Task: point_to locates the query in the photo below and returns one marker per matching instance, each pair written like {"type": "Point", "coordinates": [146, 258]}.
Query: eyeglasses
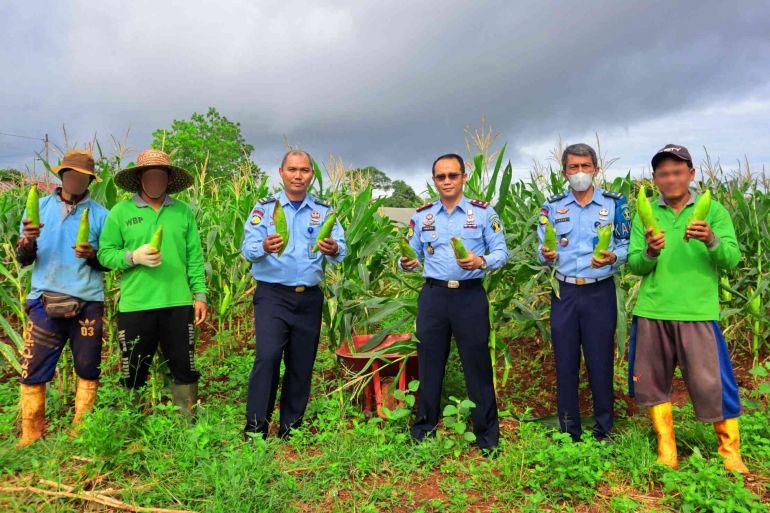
{"type": "Point", "coordinates": [452, 176]}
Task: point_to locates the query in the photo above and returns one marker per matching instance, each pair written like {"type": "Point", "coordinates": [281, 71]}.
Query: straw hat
{"type": "Point", "coordinates": [128, 178]}
{"type": "Point", "coordinates": [77, 160]}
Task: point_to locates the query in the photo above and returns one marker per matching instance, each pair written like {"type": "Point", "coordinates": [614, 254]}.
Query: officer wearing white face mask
{"type": "Point", "coordinates": [586, 312]}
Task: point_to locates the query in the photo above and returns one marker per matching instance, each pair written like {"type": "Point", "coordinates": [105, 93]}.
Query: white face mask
{"type": "Point", "coordinates": [581, 181]}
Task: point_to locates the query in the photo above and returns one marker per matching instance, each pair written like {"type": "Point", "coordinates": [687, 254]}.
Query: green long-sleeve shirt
{"type": "Point", "coordinates": [681, 284]}
{"type": "Point", "coordinates": [131, 224]}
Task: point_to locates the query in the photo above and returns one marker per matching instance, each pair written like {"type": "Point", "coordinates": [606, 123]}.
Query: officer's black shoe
{"type": "Point", "coordinates": [491, 452]}
{"type": "Point", "coordinates": [422, 436]}
{"type": "Point", "coordinates": [606, 441]}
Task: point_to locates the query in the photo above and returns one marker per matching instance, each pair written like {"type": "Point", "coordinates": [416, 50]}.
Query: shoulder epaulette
{"type": "Point", "coordinates": [613, 195]}
{"type": "Point", "coordinates": [479, 203]}
{"type": "Point", "coordinates": [557, 197]}
{"type": "Point", "coordinates": [322, 202]}
{"type": "Point", "coordinates": [265, 201]}
{"type": "Point", "coordinates": [427, 205]}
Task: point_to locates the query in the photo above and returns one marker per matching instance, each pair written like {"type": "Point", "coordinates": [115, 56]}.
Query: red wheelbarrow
{"type": "Point", "coordinates": [380, 367]}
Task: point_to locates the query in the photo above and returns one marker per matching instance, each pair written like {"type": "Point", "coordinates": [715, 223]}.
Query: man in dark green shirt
{"type": "Point", "coordinates": [677, 311]}
{"type": "Point", "coordinates": [163, 291]}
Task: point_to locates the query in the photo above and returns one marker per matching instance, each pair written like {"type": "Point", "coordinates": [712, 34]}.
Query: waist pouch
{"type": "Point", "coordinates": [61, 306]}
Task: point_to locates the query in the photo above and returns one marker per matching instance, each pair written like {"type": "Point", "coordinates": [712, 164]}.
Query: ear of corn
{"type": "Point", "coordinates": [406, 249]}
{"type": "Point", "coordinates": [33, 206]}
{"type": "Point", "coordinates": [701, 210]}
{"type": "Point", "coordinates": [605, 235]}
{"type": "Point", "coordinates": [702, 207]}
{"type": "Point", "coordinates": [644, 212]}
{"type": "Point", "coordinates": [457, 245]}
{"type": "Point", "coordinates": [157, 238]}
{"type": "Point", "coordinates": [85, 228]}
{"type": "Point", "coordinates": [550, 237]}
{"type": "Point", "coordinates": [281, 227]}
{"type": "Point", "coordinates": [326, 231]}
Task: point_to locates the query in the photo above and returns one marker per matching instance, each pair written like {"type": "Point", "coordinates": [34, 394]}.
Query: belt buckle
{"type": "Point", "coordinates": [580, 281]}
{"type": "Point", "coordinates": [453, 284]}
{"type": "Point", "coordinates": [301, 288]}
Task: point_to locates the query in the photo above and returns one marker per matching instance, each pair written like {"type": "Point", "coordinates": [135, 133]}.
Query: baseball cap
{"type": "Point", "coordinates": [671, 150]}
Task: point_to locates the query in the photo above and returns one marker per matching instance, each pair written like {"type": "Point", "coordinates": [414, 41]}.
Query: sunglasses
{"type": "Point", "coordinates": [442, 177]}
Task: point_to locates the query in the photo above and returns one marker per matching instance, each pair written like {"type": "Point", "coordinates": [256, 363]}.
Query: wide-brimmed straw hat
{"type": "Point", "coordinates": [179, 178]}
{"type": "Point", "coordinates": [77, 160]}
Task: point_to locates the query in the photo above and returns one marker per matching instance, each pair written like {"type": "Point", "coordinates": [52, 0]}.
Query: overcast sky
{"type": "Point", "coordinates": [393, 84]}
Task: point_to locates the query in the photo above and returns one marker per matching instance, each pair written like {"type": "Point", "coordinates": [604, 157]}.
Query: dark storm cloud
{"type": "Point", "coordinates": [390, 85]}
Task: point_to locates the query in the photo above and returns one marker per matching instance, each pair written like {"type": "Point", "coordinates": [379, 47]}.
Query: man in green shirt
{"type": "Point", "coordinates": [162, 292]}
{"type": "Point", "coordinates": [677, 310]}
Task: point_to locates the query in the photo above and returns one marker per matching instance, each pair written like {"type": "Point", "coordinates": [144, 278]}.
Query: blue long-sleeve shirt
{"type": "Point", "coordinates": [297, 265]}
{"type": "Point", "coordinates": [474, 221]}
{"type": "Point", "coordinates": [576, 231]}
{"type": "Point", "coordinates": [56, 268]}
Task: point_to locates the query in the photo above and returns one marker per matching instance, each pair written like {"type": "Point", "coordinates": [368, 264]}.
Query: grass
{"type": "Point", "coordinates": [340, 461]}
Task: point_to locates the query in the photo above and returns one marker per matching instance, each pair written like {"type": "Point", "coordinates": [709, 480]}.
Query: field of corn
{"type": "Point", "coordinates": [344, 461]}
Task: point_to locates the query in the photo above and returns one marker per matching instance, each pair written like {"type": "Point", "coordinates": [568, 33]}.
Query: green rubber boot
{"type": "Point", "coordinates": [185, 397]}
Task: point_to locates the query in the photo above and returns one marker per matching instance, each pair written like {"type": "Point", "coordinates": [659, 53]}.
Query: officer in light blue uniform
{"type": "Point", "coordinates": [585, 314]}
{"type": "Point", "coordinates": [288, 300]}
{"type": "Point", "coordinates": [453, 300]}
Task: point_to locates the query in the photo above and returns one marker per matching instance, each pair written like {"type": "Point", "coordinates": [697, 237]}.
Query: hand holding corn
{"type": "Point", "coordinates": [471, 263]}
{"type": "Point", "coordinates": [548, 254]}
{"type": "Point", "coordinates": [273, 243]}
{"type": "Point", "coordinates": [655, 243]}
{"type": "Point", "coordinates": [328, 246]}
{"type": "Point", "coordinates": [145, 255]}
{"type": "Point", "coordinates": [31, 233]}
{"type": "Point", "coordinates": [409, 265]}
{"type": "Point", "coordinates": [408, 261]}
{"type": "Point", "coordinates": [608, 258]}
{"type": "Point", "coordinates": [84, 250]}
{"type": "Point", "coordinates": [700, 230]}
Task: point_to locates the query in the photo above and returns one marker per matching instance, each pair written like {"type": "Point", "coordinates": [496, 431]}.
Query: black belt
{"type": "Point", "coordinates": [289, 288]}
{"type": "Point", "coordinates": [455, 284]}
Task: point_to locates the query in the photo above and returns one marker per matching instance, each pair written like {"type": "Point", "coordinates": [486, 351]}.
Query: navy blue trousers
{"type": "Point", "coordinates": [287, 326]}
{"type": "Point", "coordinates": [464, 313]}
{"type": "Point", "coordinates": [45, 339]}
{"type": "Point", "coordinates": [585, 316]}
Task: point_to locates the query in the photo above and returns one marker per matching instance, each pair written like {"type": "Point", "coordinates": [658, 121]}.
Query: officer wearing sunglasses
{"type": "Point", "coordinates": [453, 300]}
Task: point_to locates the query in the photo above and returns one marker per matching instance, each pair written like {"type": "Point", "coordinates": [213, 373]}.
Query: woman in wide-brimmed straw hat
{"type": "Point", "coordinates": [158, 303]}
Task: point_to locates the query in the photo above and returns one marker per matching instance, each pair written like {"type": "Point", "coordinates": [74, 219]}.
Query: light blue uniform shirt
{"type": "Point", "coordinates": [297, 265]}
{"type": "Point", "coordinates": [56, 268]}
{"type": "Point", "coordinates": [474, 221]}
{"type": "Point", "coordinates": [576, 231]}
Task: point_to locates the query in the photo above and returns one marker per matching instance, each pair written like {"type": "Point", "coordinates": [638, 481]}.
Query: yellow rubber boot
{"type": "Point", "coordinates": [32, 413]}
{"type": "Point", "coordinates": [84, 401]}
{"type": "Point", "coordinates": [663, 421]}
{"type": "Point", "coordinates": [730, 445]}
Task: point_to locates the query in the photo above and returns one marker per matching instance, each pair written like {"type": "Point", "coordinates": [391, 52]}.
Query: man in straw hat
{"type": "Point", "coordinates": [163, 291]}
{"type": "Point", "coordinates": [66, 300]}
